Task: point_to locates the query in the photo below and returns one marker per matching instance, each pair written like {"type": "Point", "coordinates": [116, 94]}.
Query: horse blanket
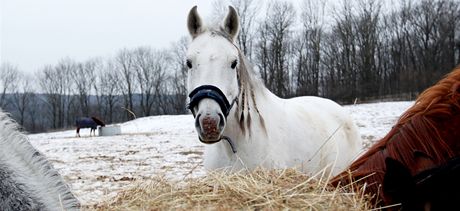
{"type": "Point", "coordinates": [86, 122]}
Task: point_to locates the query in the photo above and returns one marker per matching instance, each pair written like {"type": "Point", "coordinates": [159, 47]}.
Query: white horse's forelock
{"type": "Point", "coordinates": [31, 169]}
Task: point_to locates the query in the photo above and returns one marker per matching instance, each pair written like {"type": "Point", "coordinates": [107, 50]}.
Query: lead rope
{"type": "Point", "coordinates": [230, 142]}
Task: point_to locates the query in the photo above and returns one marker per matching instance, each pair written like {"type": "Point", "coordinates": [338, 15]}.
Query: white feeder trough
{"type": "Point", "coordinates": [111, 130]}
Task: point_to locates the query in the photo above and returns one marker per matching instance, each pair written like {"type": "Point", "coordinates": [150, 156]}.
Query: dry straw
{"type": "Point", "coordinates": [257, 190]}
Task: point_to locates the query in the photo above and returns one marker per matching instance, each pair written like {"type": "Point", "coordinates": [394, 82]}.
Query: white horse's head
{"type": "Point", "coordinates": [213, 60]}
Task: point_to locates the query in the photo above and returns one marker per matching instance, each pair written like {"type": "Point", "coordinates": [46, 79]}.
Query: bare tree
{"type": "Point", "coordinates": [434, 28]}
{"type": "Point", "coordinates": [367, 29]}
{"type": "Point", "coordinates": [124, 64]}
{"type": "Point", "coordinates": [8, 79]}
{"type": "Point", "coordinates": [150, 67]}
{"type": "Point", "coordinates": [108, 91]}
{"type": "Point", "coordinates": [36, 121]}
{"type": "Point", "coordinates": [307, 48]}
{"type": "Point", "coordinates": [84, 77]}
{"type": "Point", "coordinates": [64, 69]}
{"type": "Point", "coordinates": [273, 47]}
{"type": "Point", "coordinates": [48, 82]}
{"type": "Point", "coordinates": [178, 82]}
{"type": "Point", "coordinates": [339, 58]}
{"type": "Point", "coordinates": [23, 95]}
{"type": "Point", "coordinates": [262, 57]}
{"type": "Point", "coordinates": [247, 11]}
{"type": "Point", "coordinates": [57, 85]}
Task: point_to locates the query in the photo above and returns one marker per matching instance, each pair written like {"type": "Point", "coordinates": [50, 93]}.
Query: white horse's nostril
{"type": "Point", "coordinates": [221, 122]}
{"type": "Point", "coordinates": [197, 121]}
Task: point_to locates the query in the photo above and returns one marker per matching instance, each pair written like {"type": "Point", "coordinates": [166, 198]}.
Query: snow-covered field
{"type": "Point", "coordinates": [97, 167]}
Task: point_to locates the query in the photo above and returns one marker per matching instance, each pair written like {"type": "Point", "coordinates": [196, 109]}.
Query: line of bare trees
{"type": "Point", "coordinates": [141, 81]}
{"type": "Point", "coordinates": [361, 49]}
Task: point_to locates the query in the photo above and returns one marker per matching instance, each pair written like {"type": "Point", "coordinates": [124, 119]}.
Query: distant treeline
{"type": "Point", "coordinates": [37, 116]}
{"type": "Point", "coordinates": [361, 49]}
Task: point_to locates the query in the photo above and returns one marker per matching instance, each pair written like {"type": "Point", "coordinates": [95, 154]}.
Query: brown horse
{"type": "Point", "coordinates": [88, 122]}
{"type": "Point", "coordinates": [419, 149]}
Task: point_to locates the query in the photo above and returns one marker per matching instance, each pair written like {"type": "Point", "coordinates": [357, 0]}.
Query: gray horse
{"type": "Point", "coordinates": [28, 181]}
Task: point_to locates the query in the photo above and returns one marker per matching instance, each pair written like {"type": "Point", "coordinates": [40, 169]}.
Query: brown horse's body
{"type": "Point", "coordinates": [426, 136]}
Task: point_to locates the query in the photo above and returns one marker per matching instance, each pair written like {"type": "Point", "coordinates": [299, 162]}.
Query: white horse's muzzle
{"type": "Point", "coordinates": [210, 107]}
{"type": "Point", "coordinates": [210, 126]}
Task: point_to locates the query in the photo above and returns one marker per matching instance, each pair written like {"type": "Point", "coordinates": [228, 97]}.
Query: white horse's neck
{"type": "Point", "coordinates": [32, 169]}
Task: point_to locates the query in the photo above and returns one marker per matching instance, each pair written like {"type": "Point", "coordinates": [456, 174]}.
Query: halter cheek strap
{"type": "Point", "coordinates": [211, 92]}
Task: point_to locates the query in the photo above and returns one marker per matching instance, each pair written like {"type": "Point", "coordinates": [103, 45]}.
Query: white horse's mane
{"type": "Point", "coordinates": [32, 169]}
{"type": "Point", "coordinates": [249, 83]}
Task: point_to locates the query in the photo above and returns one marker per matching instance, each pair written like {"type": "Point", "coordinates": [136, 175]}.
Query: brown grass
{"type": "Point", "coordinates": [258, 190]}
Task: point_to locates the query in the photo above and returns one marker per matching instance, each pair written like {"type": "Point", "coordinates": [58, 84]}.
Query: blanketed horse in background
{"type": "Point", "coordinates": [417, 162]}
{"type": "Point", "coordinates": [88, 122]}
{"type": "Point", "coordinates": [28, 180]}
{"type": "Point", "coordinates": [246, 126]}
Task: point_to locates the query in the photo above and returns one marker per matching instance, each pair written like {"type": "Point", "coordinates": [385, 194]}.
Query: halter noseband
{"type": "Point", "coordinates": [214, 93]}
{"type": "Point", "coordinates": [211, 92]}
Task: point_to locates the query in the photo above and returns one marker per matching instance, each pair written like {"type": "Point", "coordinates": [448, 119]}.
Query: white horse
{"type": "Point", "coordinates": [245, 125]}
{"type": "Point", "coordinates": [28, 181]}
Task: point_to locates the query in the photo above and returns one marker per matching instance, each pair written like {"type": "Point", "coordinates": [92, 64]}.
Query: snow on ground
{"type": "Point", "coordinates": [97, 167]}
{"type": "Point", "coordinates": [375, 120]}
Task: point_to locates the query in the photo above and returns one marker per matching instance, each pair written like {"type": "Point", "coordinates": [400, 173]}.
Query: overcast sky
{"type": "Point", "coordinates": [38, 32]}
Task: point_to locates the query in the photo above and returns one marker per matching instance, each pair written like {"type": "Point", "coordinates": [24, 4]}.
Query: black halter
{"type": "Point", "coordinates": [211, 92]}
{"type": "Point", "coordinates": [214, 93]}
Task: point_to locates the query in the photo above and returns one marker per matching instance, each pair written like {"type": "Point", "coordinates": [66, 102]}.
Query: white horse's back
{"type": "Point", "coordinates": [329, 125]}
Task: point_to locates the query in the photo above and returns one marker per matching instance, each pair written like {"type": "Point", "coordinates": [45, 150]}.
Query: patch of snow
{"type": "Point", "coordinates": [374, 120]}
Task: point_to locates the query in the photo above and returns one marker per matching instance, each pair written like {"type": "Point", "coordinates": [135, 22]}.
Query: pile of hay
{"type": "Point", "coordinates": [260, 189]}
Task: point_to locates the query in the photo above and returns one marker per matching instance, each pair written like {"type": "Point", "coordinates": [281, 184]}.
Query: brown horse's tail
{"type": "Point", "coordinates": [78, 131]}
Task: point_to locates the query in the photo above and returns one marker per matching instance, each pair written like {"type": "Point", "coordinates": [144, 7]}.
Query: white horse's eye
{"type": "Point", "coordinates": [234, 63]}
{"type": "Point", "coordinates": [189, 63]}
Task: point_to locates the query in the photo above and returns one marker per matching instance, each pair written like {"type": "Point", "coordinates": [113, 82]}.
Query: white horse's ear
{"type": "Point", "coordinates": [232, 23]}
{"type": "Point", "coordinates": [194, 23]}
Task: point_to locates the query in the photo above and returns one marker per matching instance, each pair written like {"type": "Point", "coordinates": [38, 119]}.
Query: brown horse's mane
{"type": "Point", "coordinates": [98, 121]}
{"type": "Point", "coordinates": [425, 136]}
